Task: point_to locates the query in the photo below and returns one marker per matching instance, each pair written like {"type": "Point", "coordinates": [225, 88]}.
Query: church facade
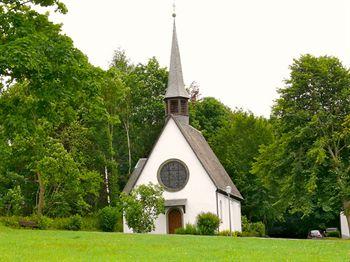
{"type": "Point", "coordinates": [183, 163]}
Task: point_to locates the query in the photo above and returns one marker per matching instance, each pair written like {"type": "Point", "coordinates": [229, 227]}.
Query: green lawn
{"type": "Point", "coordinates": [35, 245]}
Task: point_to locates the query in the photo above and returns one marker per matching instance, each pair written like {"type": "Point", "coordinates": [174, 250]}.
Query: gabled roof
{"type": "Point", "coordinates": [205, 155]}
{"type": "Point", "coordinates": [135, 175]}
{"type": "Point", "coordinates": [176, 86]}
{"type": "Point", "coordinates": [208, 158]}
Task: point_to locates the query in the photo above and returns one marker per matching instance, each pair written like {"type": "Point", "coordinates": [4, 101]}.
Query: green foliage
{"type": "Point", "coordinates": [139, 92]}
{"type": "Point", "coordinates": [12, 202]}
{"type": "Point", "coordinates": [90, 223]}
{"type": "Point", "coordinates": [10, 221]}
{"type": "Point", "coordinates": [237, 143]}
{"type": "Point", "coordinates": [74, 223]}
{"type": "Point", "coordinates": [250, 229]}
{"type": "Point", "coordinates": [333, 234]}
{"type": "Point", "coordinates": [189, 229]}
{"type": "Point", "coordinates": [142, 207]}
{"type": "Point", "coordinates": [306, 169]}
{"type": "Point", "coordinates": [108, 218]}
{"type": "Point", "coordinates": [209, 115]}
{"type": "Point", "coordinates": [42, 221]}
{"type": "Point", "coordinates": [227, 233]}
{"type": "Point", "coordinates": [207, 223]}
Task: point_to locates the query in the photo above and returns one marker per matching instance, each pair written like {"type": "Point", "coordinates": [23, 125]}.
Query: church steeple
{"type": "Point", "coordinates": [176, 97]}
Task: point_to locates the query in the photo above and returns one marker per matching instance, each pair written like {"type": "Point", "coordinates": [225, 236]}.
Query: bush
{"type": "Point", "coordinates": [226, 233]}
{"type": "Point", "coordinates": [74, 223]}
{"type": "Point", "coordinates": [108, 219]}
{"type": "Point", "coordinates": [252, 229]}
{"type": "Point", "coordinates": [333, 234]}
{"type": "Point", "coordinates": [207, 223]}
{"type": "Point", "coordinates": [142, 207]}
{"type": "Point", "coordinates": [90, 223]}
{"type": "Point", "coordinates": [12, 202]}
{"type": "Point", "coordinates": [60, 223]}
{"type": "Point", "coordinates": [43, 222]}
{"type": "Point", "coordinates": [259, 228]}
{"type": "Point", "coordinates": [12, 221]}
{"type": "Point", "coordinates": [189, 229]}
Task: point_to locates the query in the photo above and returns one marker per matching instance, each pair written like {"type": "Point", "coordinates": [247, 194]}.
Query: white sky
{"type": "Point", "coordinates": [237, 50]}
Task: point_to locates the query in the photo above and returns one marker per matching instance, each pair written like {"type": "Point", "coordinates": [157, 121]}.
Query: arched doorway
{"type": "Point", "coordinates": [174, 220]}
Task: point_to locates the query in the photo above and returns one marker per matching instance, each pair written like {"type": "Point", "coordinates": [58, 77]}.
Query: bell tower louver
{"type": "Point", "coordinates": [176, 97]}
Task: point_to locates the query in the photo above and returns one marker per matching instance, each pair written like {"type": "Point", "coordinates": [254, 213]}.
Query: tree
{"type": "Point", "coordinates": [140, 109]}
{"type": "Point", "coordinates": [209, 115]}
{"type": "Point", "coordinates": [51, 94]}
{"type": "Point", "coordinates": [12, 202]}
{"type": "Point", "coordinates": [142, 207]}
{"type": "Point", "coordinates": [236, 143]}
{"type": "Point", "coordinates": [307, 167]}
{"type": "Point", "coordinates": [235, 137]}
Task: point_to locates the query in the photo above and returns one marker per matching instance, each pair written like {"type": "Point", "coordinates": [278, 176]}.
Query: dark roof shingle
{"type": "Point", "coordinates": [134, 175]}
{"type": "Point", "coordinates": [208, 158]}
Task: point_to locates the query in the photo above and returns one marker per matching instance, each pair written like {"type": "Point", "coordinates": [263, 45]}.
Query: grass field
{"type": "Point", "coordinates": [35, 245]}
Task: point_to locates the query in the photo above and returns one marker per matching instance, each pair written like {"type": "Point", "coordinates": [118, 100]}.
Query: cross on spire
{"type": "Point", "coordinates": [174, 9]}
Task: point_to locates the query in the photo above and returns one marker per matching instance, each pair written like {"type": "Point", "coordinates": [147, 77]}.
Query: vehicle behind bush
{"type": "Point", "coordinates": [332, 232]}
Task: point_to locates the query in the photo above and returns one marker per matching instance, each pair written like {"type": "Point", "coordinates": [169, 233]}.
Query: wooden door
{"type": "Point", "coordinates": [174, 220]}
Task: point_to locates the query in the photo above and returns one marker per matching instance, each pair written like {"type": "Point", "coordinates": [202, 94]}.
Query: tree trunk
{"type": "Point", "coordinates": [129, 146]}
{"type": "Point", "coordinates": [41, 201]}
{"type": "Point", "coordinates": [107, 186]}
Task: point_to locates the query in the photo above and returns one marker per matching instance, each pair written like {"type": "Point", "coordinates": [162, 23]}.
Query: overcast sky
{"type": "Point", "coordinates": [236, 50]}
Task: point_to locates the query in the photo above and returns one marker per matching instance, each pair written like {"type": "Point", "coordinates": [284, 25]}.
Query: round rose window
{"type": "Point", "coordinates": [173, 175]}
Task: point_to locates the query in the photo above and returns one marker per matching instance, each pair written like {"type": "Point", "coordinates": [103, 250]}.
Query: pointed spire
{"type": "Point", "coordinates": [176, 86]}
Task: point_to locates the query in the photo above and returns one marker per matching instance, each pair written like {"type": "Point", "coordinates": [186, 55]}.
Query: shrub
{"type": "Point", "coordinates": [259, 228]}
{"type": "Point", "coordinates": [74, 223]}
{"type": "Point", "coordinates": [60, 223]}
{"type": "Point", "coordinates": [12, 221]}
{"type": "Point", "coordinates": [90, 223]}
{"type": "Point", "coordinates": [142, 207]}
{"type": "Point", "coordinates": [207, 223]}
{"type": "Point", "coordinates": [42, 221]}
{"type": "Point", "coordinates": [180, 231]}
{"type": "Point", "coordinates": [108, 219]}
{"type": "Point", "coordinates": [333, 234]}
{"type": "Point", "coordinates": [226, 233]}
{"type": "Point", "coordinates": [12, 202]}
{"type": "Point", "coordinates": [189, 229]}
{"type": "Point", "coordinates": [252, 229]}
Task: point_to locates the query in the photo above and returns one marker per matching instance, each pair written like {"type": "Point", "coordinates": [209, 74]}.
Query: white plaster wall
{"type": "Point", "coordinates": [344, 226]}
{"type": "Point", "coordinates": [235, 207]}
{"type": "Point", "coordinates": [200, 191]}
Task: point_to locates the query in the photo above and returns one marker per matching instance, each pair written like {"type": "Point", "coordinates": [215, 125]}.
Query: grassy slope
{"type": "Point", "coordinates": [35, 245]}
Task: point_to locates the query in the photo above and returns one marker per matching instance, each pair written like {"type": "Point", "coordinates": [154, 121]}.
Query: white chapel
{"type": "Point", "coordinates": [183, 163]}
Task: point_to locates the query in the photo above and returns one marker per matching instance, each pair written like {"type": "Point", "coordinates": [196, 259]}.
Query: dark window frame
{"type": "Point", "coordinates": [170, 172]}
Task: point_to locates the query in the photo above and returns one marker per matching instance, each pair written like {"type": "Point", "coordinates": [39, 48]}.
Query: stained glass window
{"type": "Point", "coordinates": [173, 175]}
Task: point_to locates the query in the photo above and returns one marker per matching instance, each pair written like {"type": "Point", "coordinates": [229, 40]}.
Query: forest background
{"type": "Point", "coordinates": [71, 133]}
